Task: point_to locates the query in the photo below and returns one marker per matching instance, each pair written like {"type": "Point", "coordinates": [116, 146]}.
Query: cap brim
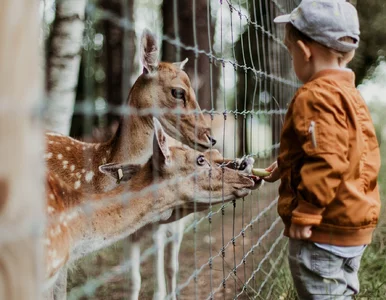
{"type": "Point", "coordinates": [283, 19]}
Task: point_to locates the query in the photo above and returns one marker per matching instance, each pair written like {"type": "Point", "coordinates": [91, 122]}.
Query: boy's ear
{"type": "Point", "coordinates": [347, 58]}
{"type": "Point", "coordinates": [305, 50]}
{"type": "Point", "coordinates": [120, 172]}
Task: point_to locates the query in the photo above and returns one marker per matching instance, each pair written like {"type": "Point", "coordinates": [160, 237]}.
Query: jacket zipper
{"type": "Point", "coordinates": [311, 130]}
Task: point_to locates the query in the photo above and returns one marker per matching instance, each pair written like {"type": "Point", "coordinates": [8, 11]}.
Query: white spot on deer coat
{"type": "Point", "coordinates": [68, 148]}
{"type": "Point", "coordinates": [89, 176]}
{"type": "Point", "coordinates": [72, 215]}
{"type": "Point", "coordinates": [50, 142]}
{"type": "Point", "coordinates": [77, 184]}
{"type": "Point", "coordinates": [83, 171]}
{"type": "Point", "coordinates": [48, 155]}
{"type": "Point", "coordinates": [52, 196]}
{"type": "Point", "coordinates": [55, 231]}
{"type": "Point", "coordinates": [83, 148]}
{"type": "Point", "coordinates": [72, 168]}
{"type": "Point", "coordinates": [60, 156]}
{"type": "Point", "coordinates": [50, 209]}
{"type": "Point", "coordinates": [97, 146]}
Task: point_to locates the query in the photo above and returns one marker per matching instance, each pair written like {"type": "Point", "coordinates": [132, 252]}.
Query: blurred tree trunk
{"type": "Point", "coordinates": [372, 46]}
{"type": "Point", "coordinates": [206, 82]}
{"type": "Point", "coordinates": [263, 91]}
{"type": "Point", "coordinates": [63, 60]}
{"type": "Point", "coordinates": [353, 2]}
{"type": "Point", "coordinates": [119, 49]}
{"type": "Point", "coordinates": [117, 61]}
{"type": "Point", "coordinates": [22, 207]}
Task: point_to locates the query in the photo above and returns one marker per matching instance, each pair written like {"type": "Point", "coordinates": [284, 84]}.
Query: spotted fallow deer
{"type": "Point", "coordinates": [162, 87]}
{"type": "Point", "coordinates": [182, 176]}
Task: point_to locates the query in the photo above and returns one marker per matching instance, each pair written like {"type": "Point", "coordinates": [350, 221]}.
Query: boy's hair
{"type": "Point", "coordinates": [292, 34]}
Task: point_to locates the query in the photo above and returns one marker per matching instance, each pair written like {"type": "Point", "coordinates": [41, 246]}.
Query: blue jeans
{"type": "Point", "coordinates": [319, 274]}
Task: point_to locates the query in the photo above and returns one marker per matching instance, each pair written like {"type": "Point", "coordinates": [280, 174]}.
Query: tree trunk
{"type": "Point", "coordinates": [63, 60]}
{"type": "Point", "coordinates": [117, 61]}
{"type": "Point", "coordinates": [353, 2]}
{"type": "Point", "coordinates": [21, 172]}
{"type": "Point", "coordinates": [119, 49]}
{"type": "Point", "coordinates": [207, 80]}
{"type": "Point", "coordinates": [261, 92]}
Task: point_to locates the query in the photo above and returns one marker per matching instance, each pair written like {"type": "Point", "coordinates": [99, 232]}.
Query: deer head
{"type": "Point", "coordinates": [191, 175]}
{"type": "Point", "coordinates": [166, 86]}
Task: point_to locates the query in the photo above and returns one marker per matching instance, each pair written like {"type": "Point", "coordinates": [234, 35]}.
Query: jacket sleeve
{"type": "Point", "coordinates": [320, 123]}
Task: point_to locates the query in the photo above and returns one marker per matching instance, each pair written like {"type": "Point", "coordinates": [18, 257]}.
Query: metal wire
{"type": "Point", "coordinates": [254, 222]}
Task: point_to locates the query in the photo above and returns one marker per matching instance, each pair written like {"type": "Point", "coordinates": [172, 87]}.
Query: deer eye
{"type": "Point", "coordinates": [201, 160]}
{"type": "Point", "coordinates": [178, 94]}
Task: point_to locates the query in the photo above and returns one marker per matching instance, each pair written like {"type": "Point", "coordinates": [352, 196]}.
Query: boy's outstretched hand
{"type": "Point", "coordinates": [275, 175]}
{"type": "Point", "coordinates": [300, 232]}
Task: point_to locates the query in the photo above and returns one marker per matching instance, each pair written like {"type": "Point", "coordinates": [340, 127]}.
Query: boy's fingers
{"type": "Point", "coordinates": [307, 234]}
{"type": "Point", "coordinates": [271, 167]}
{"type": "Point", "coordinates": [300, 232]}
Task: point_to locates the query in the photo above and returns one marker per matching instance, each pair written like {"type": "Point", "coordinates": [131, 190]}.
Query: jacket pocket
{"type": "Point", "coordinates": [321, 136]}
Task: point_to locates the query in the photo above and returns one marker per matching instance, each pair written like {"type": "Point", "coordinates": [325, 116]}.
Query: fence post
{"type": "Point", "coordinates": [21, 164]}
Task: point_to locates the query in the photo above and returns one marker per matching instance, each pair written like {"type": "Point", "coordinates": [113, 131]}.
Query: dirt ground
{"type": "Point", "coordinates": [209, 239]}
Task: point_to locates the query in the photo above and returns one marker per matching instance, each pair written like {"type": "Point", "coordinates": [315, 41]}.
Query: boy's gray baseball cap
{"type": "Point", "coordinates": [326, 21]}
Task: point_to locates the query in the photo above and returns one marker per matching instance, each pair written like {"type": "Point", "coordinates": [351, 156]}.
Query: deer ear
{"type": "Point", "coordinates": [181, 64]}
{"type": "Point", "coordinates": [149, 52]}
{"type": "Point", "coordinates": [120, 172]}
{"type": "Point", "coordinates": [161, 152]}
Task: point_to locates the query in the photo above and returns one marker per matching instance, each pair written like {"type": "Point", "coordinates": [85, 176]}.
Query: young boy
{"type": "Point", "coordinates": [329, 155]}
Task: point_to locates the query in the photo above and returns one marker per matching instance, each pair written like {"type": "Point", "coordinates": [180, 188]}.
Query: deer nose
{"type": "Point", "coordinates": [212, 140]}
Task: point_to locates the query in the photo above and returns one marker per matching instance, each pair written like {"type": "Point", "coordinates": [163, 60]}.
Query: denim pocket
{"type": "Point", "coordinates": [325, 263]}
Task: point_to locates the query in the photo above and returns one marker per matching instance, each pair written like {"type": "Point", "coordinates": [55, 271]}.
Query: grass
{"type": "Point", "coordinates": [372, 274]}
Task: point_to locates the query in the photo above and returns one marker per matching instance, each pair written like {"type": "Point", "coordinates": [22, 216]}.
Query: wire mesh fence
{"type": "Point", "coordinates": [240, 72]}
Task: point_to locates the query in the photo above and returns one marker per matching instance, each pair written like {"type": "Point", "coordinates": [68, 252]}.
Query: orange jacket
{"type": "Point", "coordinates": [329, 162]}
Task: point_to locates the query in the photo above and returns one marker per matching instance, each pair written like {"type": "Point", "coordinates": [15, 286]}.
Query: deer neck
{"type": "Point", "coordinates": [134, 143]}
{"type": "Point", "coordinates": [117, 219]}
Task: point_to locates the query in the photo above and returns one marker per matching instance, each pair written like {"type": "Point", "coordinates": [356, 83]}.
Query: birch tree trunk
{"type": "Point", "coordinates": [63, 61]}
{"type": "Point", "coordinates": [21, 180]}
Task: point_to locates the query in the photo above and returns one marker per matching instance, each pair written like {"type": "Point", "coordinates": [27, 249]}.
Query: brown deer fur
{"type": "Point", "coordinates": [79, 223]}
{"type": "Point", "coordinates": [161, 88]}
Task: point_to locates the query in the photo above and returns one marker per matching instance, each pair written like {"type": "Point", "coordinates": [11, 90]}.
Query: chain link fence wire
{"type": "Point", "coordinates": [234, 250]}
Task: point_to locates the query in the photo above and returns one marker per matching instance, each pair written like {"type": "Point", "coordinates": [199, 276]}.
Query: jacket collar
{"type": "Point", "coordinates": [343, 75]}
